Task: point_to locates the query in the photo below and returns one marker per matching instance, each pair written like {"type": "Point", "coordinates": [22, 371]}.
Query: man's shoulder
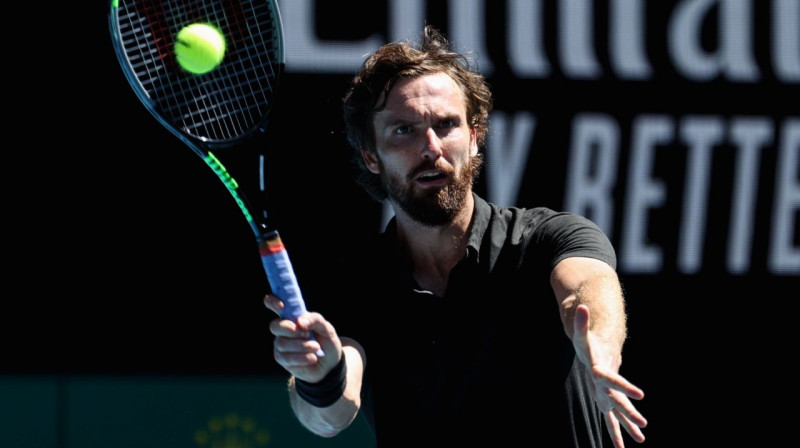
{"type": "Point", "coordinates": [527, 223]}
{"type": "Point", "coordinates": [510, 213]}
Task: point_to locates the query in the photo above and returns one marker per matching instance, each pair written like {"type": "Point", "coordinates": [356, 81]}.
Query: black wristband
{"type": "Point", "coordinates": [327, 391]}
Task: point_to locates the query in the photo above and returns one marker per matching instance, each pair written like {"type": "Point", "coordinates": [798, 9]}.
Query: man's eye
{"type": "Point", "coordinates": [448, 124]}
{"type": "Point", "coordinates": [402, 130]}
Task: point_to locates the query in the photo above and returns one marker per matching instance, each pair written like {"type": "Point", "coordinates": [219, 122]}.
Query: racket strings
{"type": "Point", "coordinates": [226, 103]}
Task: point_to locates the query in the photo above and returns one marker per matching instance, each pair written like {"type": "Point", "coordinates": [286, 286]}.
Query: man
{"type": "Point", "coordinates": [463, 322]}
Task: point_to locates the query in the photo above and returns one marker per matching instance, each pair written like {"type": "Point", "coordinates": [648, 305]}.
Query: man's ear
{"type": "Point", "coordinates": [371, 161]}
{"type": "Point", "coordinates": [473, 141]}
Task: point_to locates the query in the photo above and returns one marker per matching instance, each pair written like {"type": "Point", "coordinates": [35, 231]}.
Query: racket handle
{"type": "Point", "coordinates": [282, 279]}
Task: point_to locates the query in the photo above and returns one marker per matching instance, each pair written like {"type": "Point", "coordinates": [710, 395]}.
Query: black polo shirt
{"type": "Point", "coordinates": [488, 362]}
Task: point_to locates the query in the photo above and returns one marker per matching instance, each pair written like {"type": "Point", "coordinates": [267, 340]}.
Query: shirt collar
{"type": "Point", "coordinates": [481, 216]}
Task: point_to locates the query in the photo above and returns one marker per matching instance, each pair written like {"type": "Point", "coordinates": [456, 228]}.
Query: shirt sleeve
{"type": "Point", "coordinates": [570, 235]}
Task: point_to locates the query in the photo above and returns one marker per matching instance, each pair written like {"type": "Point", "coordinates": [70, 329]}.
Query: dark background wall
{"type": "Point", "coordinates": [125, 255]}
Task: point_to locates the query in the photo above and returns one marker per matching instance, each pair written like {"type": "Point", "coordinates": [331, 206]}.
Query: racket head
{"type": "Point", "coordinates": [217, 109]}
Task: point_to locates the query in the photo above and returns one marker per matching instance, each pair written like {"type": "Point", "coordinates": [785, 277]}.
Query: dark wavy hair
{"type": "Point", "coordinates": [400, 60]}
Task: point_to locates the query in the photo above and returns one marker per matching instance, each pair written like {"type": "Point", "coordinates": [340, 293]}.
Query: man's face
{"type": "Point", "coordinates": [426, 151]}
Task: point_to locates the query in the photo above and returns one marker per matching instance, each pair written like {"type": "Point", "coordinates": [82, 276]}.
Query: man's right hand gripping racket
{"type": "Point", "coordinates": [208, 71]}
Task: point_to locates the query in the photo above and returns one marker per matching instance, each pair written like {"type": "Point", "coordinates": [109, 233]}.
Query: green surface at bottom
{"type": "Point", "coordinates": [151, 412]}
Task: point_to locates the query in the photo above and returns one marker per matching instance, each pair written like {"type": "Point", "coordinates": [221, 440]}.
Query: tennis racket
{"type": "Point", "coordinates": [214, 112]}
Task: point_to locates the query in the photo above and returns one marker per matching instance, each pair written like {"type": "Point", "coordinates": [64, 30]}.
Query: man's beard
{"type": "Point", "coordinates": [436, 207]}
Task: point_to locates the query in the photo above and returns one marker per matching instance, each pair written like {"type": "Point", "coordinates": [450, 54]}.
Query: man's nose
{"type": "Point", "coordinates": [432, 145]}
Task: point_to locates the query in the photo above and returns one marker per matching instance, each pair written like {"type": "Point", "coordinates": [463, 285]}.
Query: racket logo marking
{"type": "Point", "coordinates": [229, 182]}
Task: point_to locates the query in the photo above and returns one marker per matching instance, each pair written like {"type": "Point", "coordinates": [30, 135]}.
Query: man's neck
{"type": "Point", "coordinates": [432, 251]}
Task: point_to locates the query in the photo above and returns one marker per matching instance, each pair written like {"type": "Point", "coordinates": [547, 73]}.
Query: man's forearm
{"type": "Point", "coordinates": [585, 281]}
{"type": "Point", "coordinates": [604, 296]}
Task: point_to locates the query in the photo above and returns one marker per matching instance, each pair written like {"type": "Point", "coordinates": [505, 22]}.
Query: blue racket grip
{"type": "Point", "coordinates": [282, 279]}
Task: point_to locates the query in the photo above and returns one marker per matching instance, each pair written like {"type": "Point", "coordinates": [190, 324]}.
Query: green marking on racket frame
{"type": "Point", "coordinates": [229, 182]}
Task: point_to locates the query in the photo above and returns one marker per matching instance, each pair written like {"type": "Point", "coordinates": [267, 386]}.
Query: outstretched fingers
{"type": "Point", "coordinates": [615, 402]}
{"type": "Point", "coordinates": [615, 422]}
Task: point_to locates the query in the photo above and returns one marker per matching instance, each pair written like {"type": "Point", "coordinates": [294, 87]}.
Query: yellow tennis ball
{"type": "Point", "coordinates": [199, 48]}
